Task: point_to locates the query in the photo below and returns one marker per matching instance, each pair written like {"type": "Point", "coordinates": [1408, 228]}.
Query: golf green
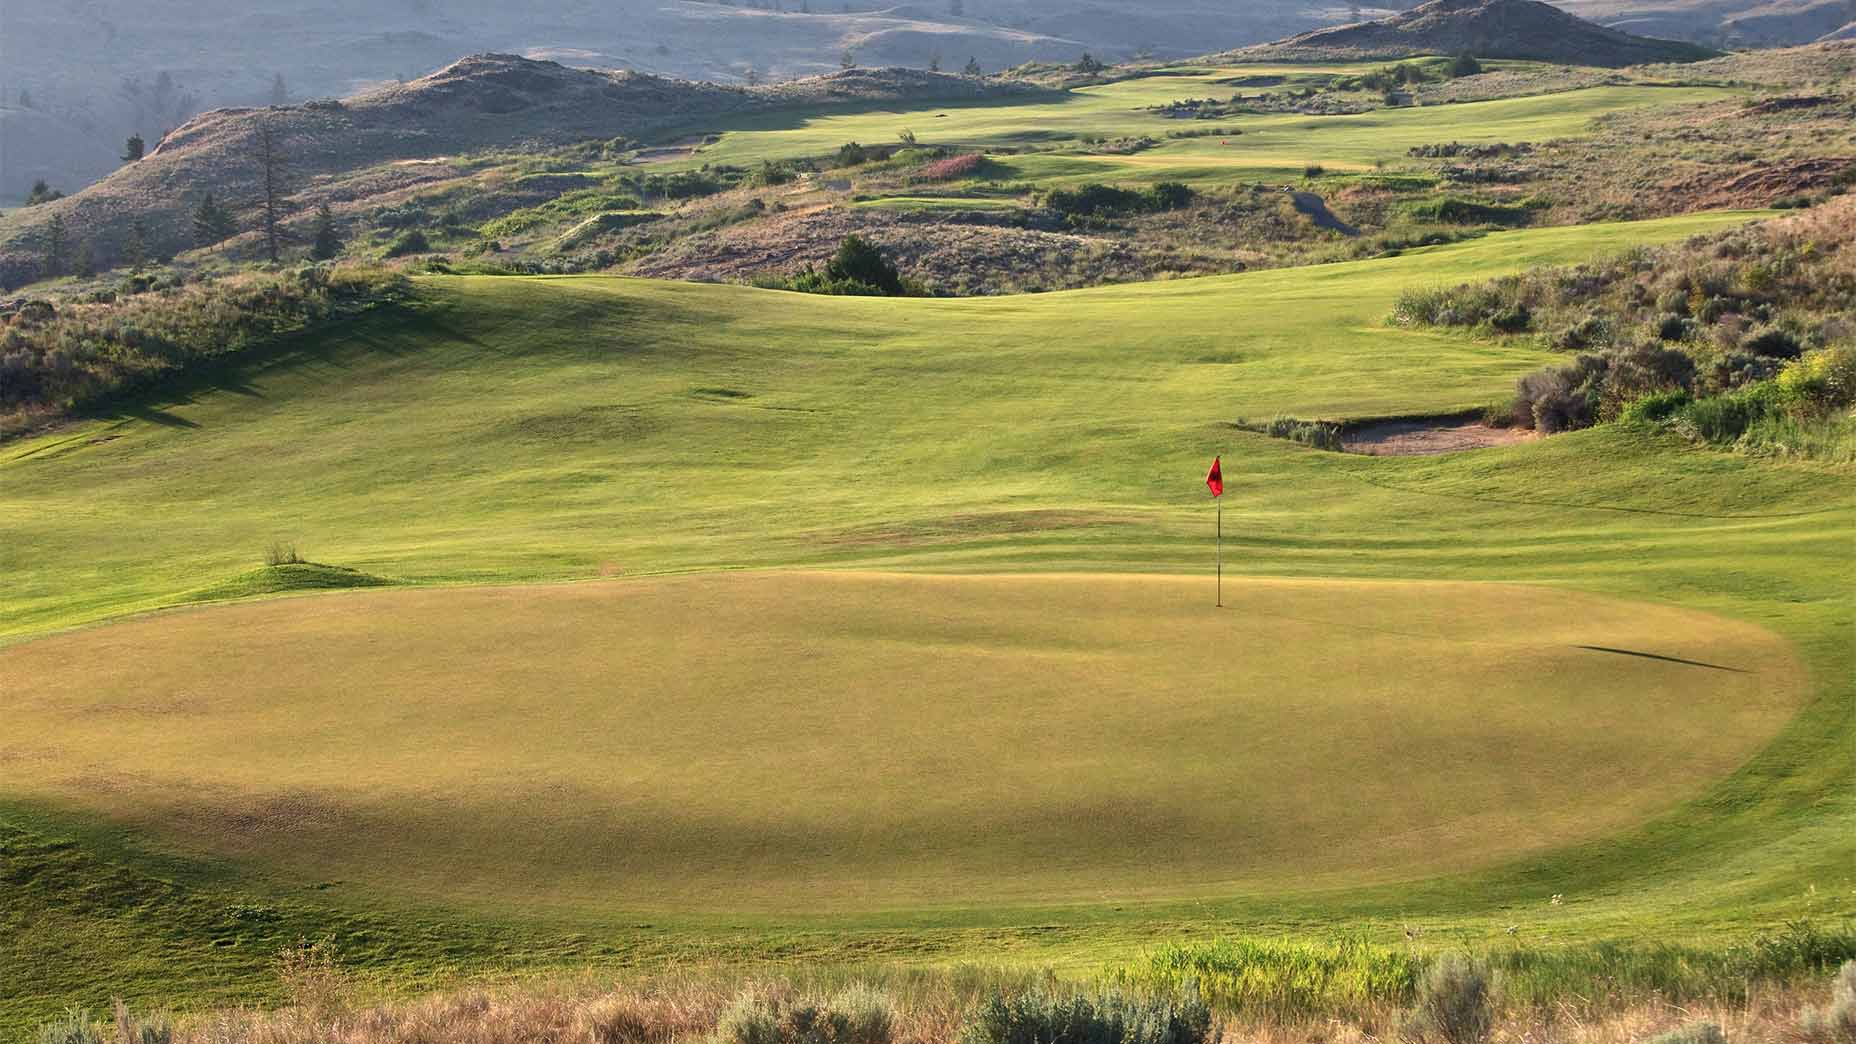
{"type": "Point", "coordinates": [793, 741]}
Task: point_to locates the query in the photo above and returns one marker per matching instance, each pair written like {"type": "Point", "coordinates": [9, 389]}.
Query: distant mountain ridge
{"type": "Point", "coordinates": [1521, 29]}
{"type": "Point", "coordinates": [480, 102]}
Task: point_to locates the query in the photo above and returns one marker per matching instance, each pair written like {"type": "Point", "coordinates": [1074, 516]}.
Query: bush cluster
{"type": "Point", "coordinates": [1743, 338]}
{"type": "Point", "coordinates": [56, 360]}
{"type": "Point", "coordinates": [858, 269]}
{"type": "Point", "coordinates": [855, 1015]}
{"type": "Point", "coordinates": [1096, 200]}
{"type": "Point", "coordinates": [1047, 1018]}
{"type": "Point", "coordinates": [952, 168]}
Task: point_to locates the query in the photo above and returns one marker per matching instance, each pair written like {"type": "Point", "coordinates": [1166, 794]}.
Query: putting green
{"type": "Point", "coordinates": [793, 741]}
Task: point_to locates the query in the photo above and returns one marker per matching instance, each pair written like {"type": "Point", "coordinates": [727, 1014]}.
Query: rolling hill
{"type": "Point", "coordinates": [476, 765]}
{"type": "Point", "coordinates": [1524, 29]}
{"type": "Point", "coordinates": [478, 103]}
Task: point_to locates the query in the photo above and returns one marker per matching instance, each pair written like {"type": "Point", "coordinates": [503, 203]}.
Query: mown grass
{"type": "Point", "coordinates": [702, 763]}
{"type": "Point", "coordinates": [546, 429]}
{"type": "Point", "coordinates": [1270, 147]}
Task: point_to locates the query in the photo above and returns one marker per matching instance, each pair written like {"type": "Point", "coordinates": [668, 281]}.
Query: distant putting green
{"type": "Point", "coordinates": [799, 741]}
{"type": "Point", "coordinates": [1267, 147]}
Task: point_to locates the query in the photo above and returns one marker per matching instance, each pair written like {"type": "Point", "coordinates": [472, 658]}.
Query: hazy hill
{"type": "Point", "coordinates": [1490, 28]}
{"type": "Point", "coordinates": [481, 102]}
{"type": "Point", "coordinates": [1722, 23]}
{"type": "Point", "coordinates": [91, 64]}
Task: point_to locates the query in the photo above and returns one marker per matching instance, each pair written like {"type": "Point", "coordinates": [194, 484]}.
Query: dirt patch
{"type": "Point", "coordinates": [1760, 186]}
{"type": "Point", "coordinates": [676, 150]}
{"type": "Point", "coordinates": [1417, 438]}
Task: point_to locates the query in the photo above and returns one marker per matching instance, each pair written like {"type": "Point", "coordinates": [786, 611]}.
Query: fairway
{"type": "Point", "coordinates": [1270, 146]}
{"type": "Point", "coordinates": [803, 741]}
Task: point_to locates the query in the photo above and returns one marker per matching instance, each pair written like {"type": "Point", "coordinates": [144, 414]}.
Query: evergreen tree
{"type": "Point", "coordinates": [135, 249]}
{"type": "Point", "coordinates": [934, 62]}
{"type": "Point", "coordinates": [280, 94]}
{"type": "Point", "coordinates": [272, 173]}
{"type": "Point", "coordinates": [57, 246]}
{"type": "Point", "coordinates": [212, 223]}
{"type": "Point", "coordinates": [328, 241]}
{"type": "Point", "coordinates": [973, 67]}
{"type": "Point", "coordinates": [848, 60]}
{"type": "Point", "coordinates": [133, 148]}
{"type": "Point", "coordinates": [1465, 64]}
{"type": "Point", "coordinates": [42, 193]}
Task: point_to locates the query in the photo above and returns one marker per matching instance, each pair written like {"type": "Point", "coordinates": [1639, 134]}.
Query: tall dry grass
{"type": "Point", "coordinates": [924, 1006]}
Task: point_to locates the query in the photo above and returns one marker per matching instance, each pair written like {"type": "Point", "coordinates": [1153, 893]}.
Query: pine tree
{"type": "Point", "coordinates": [272, 173]}
{"type": "Point", "coordinates": [328, 241]}
{"type": "Point", "coordinates": [280, 94]}
{"type": "Point", "coordinates": [212, 223]}
{"type": "Point", "coordinates": [135, 249]}
{"type": "Point", "coordinates": [57, 246]}
{"type": "Point", "coordinates": [42, 193]}
{"type": "Point", "coordinates": [934, 62]}
{"type": "Point", "coordinates": [973, 68]}
{"type": "Point", "coordinates": [133, 148]}
{"type": "Point", "coordinates": [848, 60]}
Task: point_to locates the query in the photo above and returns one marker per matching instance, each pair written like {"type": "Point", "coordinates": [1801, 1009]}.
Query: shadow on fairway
{"type": "Point", "coordinates": [1665, 659]}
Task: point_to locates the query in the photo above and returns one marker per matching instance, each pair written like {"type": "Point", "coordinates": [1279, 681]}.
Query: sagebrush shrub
{"type": "Point", "coordinates": [1455, 1002]}
{"type": "Point", "coordinates": [1693, 1033]}
{"type": "Point", "coordinates": [857, 1014]}
{"type": "Point", "coordinates": [1834, 1023]}
{"type": "Point", "coordinates": [75, 1026]}
{"type": "Point", "coordinates": [1046, 1018]}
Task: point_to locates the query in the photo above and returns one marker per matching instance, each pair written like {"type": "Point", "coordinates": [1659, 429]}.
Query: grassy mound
{"type": "Point", "coordinates": [284, 579]}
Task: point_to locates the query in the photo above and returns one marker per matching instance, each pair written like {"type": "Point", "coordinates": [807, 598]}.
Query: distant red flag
{"type": "Point", "coordinates": [1215, 480]}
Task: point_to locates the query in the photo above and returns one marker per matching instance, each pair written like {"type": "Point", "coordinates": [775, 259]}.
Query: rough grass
{"type": "Point", "coordinates": [910, 1006]}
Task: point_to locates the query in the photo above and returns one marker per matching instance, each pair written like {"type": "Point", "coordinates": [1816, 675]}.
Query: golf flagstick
{"type": "Point", "coordinates": [1214, 481]}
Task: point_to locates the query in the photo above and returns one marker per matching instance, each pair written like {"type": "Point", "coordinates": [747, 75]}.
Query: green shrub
{"type": "Point", "coordinates": [1658, 406]}
{"type": "Point", "coordinates": [1561, 398]}
{"type": "Point", "coordinates": [1820, 381]}
{"type": "Point", "coordinates": [75, 1026]}
{"type": "Point", "coordinates": [1451, 210]}
{"type": "Point", "coordinates": [1724, 418]}
{"type": "Point", "coordinates": [855, 1015]}
{"type": "Point", "coordinates": [1455, 1002]}
{"type": "Point", "coordinates": [1773, 343]}
{"type": "Point", "coordinates": [412, 241]}
{"type": "Point", "coordinates": [54, 362]}
{"type": "Point", "coordinates": [1045, 1018]}
{"type": "Point", "coordinates": [1318, 434]}
{"type": "Point", "coordinates": [1693, 1033]}
{"type": "Point", "coordinates": [1465, 64]}
{"type": "Point", "coordinates": [1835, 1023]}
{"type": "Point", "coordinates": [1283, 978]}
{"type": "Point", "coordinates": [858, 269]}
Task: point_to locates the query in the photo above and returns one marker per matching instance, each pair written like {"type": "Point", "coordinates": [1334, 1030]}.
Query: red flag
{"type": "Point", "coordinates": [1215, 480]}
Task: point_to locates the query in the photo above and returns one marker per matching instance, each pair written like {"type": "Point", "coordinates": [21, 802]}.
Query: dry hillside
{"type": "Point", "coordinates": [478, 103]}
{"type": "Point", "coordinates": [1489, 28]}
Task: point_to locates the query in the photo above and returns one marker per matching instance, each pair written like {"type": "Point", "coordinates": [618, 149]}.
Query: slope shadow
{"type": "Point", "coordinates": [1665, 659]}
